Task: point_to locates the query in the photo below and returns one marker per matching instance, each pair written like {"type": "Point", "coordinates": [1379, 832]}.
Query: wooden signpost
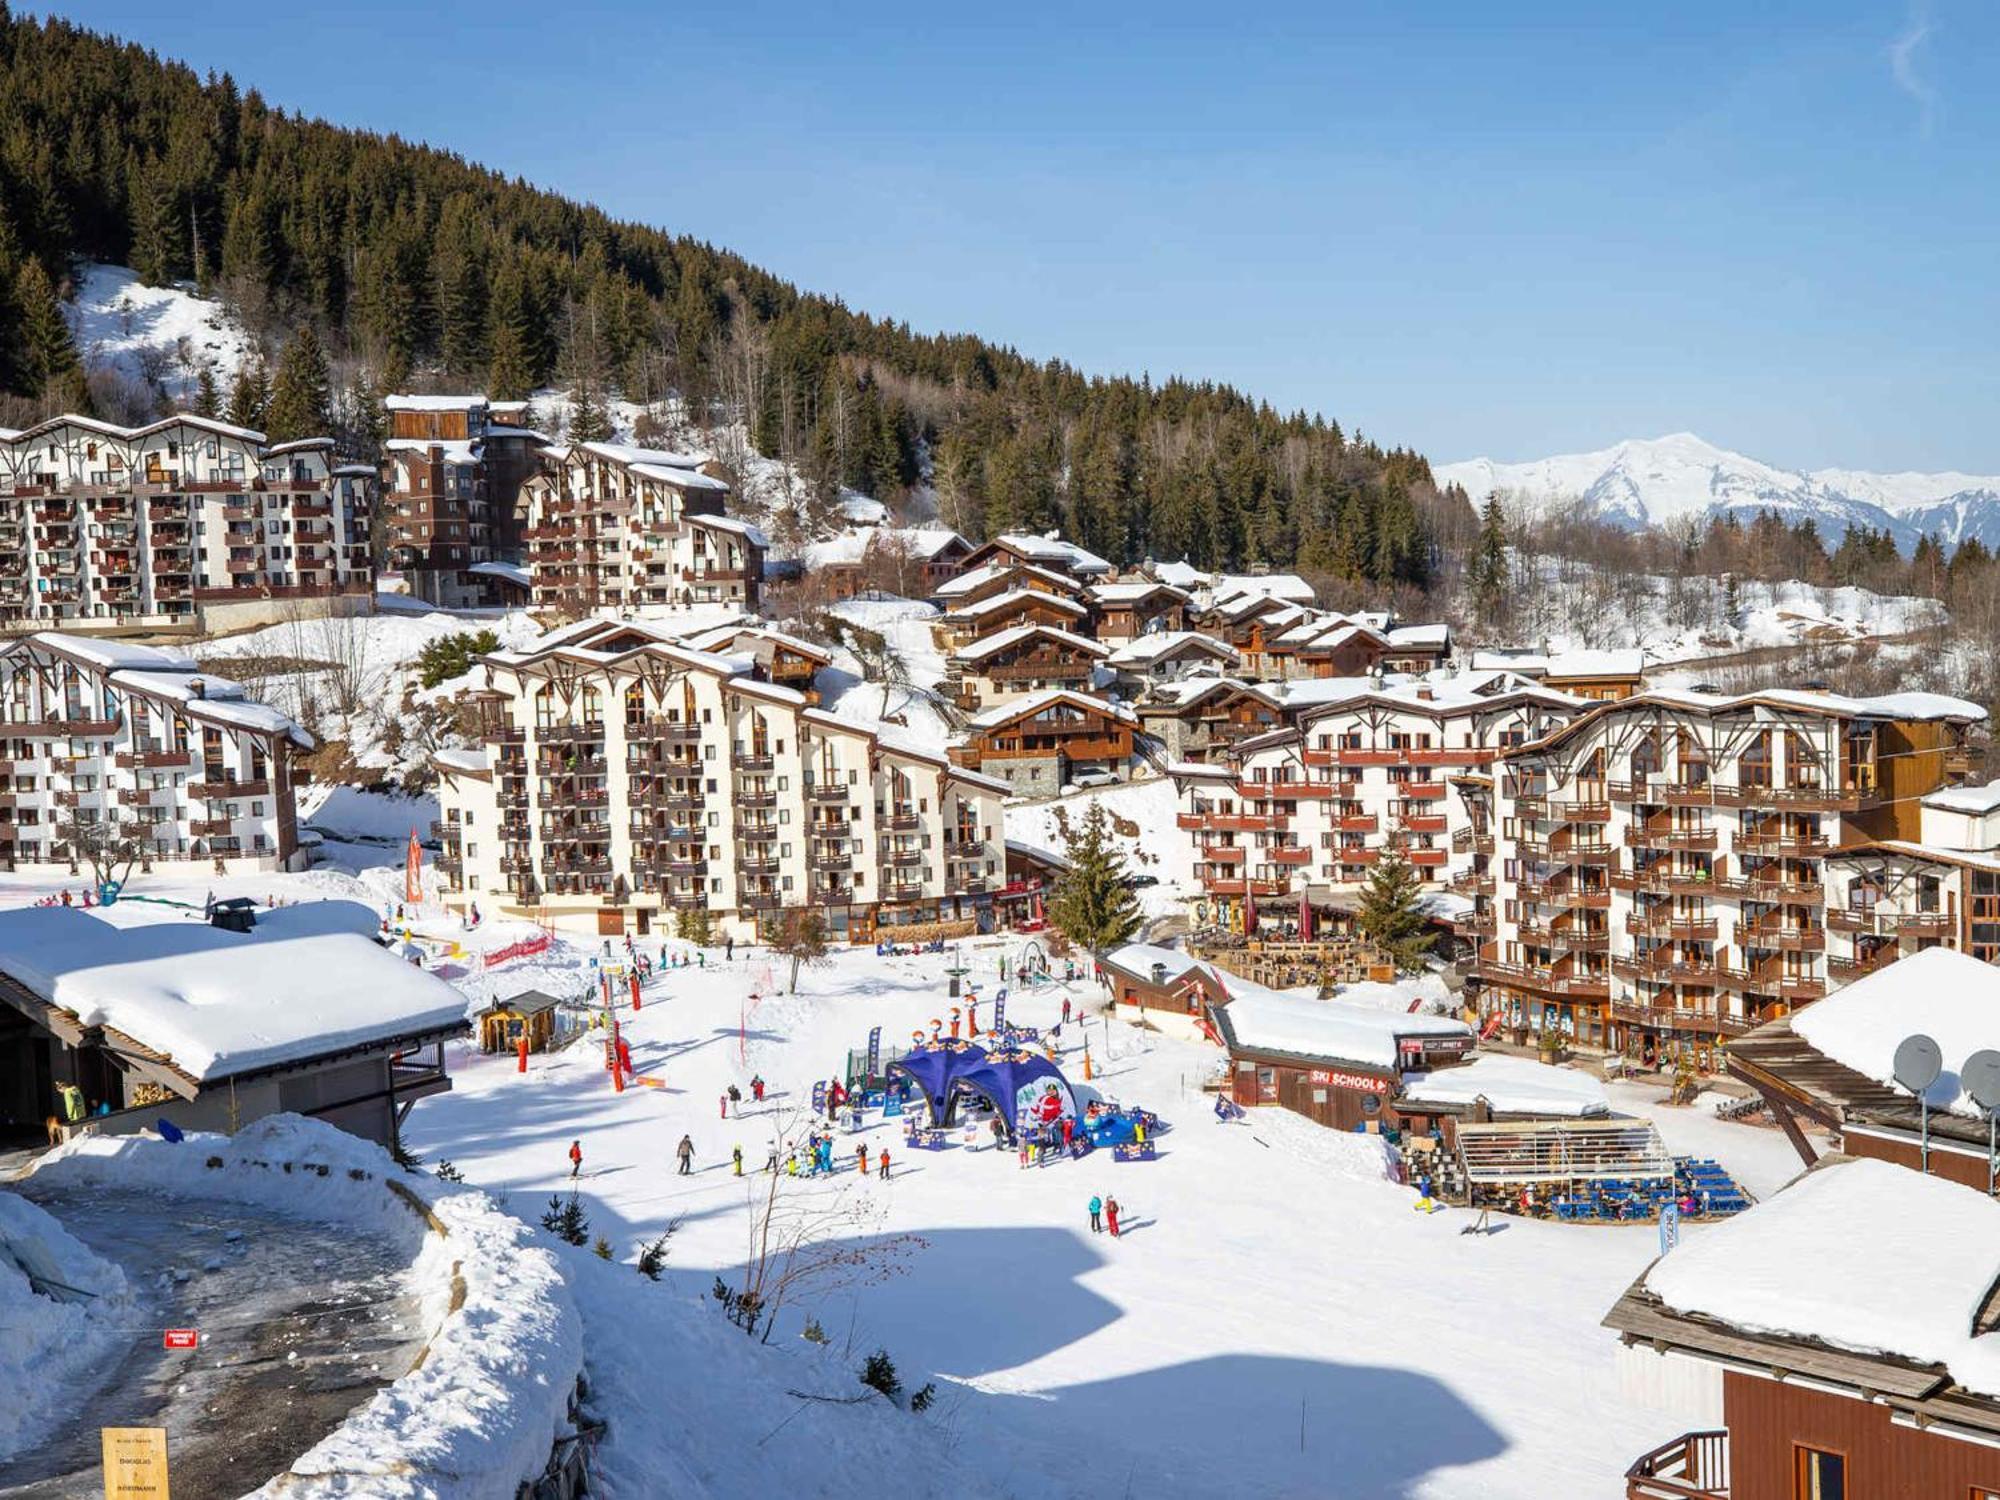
{"type": "Point", "coordinates": [135, 1463]}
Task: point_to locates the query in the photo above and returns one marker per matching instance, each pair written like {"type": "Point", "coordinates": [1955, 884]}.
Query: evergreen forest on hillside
{"type": "Point", "coordinates": [413, 268]}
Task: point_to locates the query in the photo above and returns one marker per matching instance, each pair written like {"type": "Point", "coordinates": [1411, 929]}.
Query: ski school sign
{"type": "Point", "coordinates": [526, 948]}
{"type": "Point", "coordinates": [1359, 1082]}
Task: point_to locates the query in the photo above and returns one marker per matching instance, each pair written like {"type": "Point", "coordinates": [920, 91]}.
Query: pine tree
{"type": "Point", "coordinates": [510, 374]}
{"type": "Point", "coordinates": [249, 394]}
{"type": "Point", "coordinates": [48, 353]}
{"type": "Point", "coordinates": [1487, 569]}
{"type": "Point", "coordinates": [1389, 916]}
{"type": "Point", "coordinates": [302, 395]}
{"type": "Point", "coordinates": [589, 420]}
{"type": "Point", "coordinates": [1092, 905]}
{"type": "Point", "coordinates": [207, 403]}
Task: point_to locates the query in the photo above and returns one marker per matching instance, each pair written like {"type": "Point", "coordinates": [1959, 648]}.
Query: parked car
{"type": "Point", "coordinates": [1089, 779]}
{"type": "Point", "coordinates": [1139, 882]}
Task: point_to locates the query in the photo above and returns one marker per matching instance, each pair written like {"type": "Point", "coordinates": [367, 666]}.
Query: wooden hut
{"type": "Point", "coordinates": [530, 1014]}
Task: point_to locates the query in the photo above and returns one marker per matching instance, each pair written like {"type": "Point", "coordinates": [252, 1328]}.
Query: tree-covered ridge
{"type": "Point", "coordinates": [417, 266]}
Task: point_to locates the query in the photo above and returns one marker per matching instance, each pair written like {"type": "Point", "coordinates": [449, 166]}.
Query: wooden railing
{"type": "Point", "coordinates": [1693, 1464]}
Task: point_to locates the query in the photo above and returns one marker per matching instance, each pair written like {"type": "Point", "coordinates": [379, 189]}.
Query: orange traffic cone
{"type": "Point", "coordinates": [521, 1056]}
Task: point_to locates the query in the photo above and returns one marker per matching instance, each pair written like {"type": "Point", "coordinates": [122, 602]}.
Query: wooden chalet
{"type": "Point", "coordinates": [976, 585]}
{"type": "Point", "coordinates": [1324, 648]}
{"type": "Point", "coordinates": [1200, 718]}
{"type": "Point", "coordinates": [1047, 552]}
{"type": "Point", "coordinates": [529, 1016]}
{"type": "Point", "coordinates": [999, 668]}
{"type": "Point", "coordinates": [1127, 611]}
{"type": "Point", "coordinates": [785, 660]}
{"type": "Point", "coordinates": [1037, 743]}
{"type": "Point", "coordinates": [1013, 609]}
{"type": "Point", "coordinates": [1822, 1360]}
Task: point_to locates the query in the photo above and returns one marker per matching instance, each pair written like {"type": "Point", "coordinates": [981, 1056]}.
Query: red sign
{"type": "Point", "coordinates": [181, 1338]}
{"type": "Point", "coordinates": [526, 948]}
{"type": "Point", "coordinates": [1341, 1080]}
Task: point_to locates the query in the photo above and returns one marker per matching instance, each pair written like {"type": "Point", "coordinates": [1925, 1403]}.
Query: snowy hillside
{"type": "Point", "coordinates": [155, 336]}
{"type": "Point", "coordinates": [1653, 482]}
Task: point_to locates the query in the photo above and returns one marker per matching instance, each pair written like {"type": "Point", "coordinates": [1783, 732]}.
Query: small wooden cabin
{"type": "Point", "coordinates": [530, 1014]}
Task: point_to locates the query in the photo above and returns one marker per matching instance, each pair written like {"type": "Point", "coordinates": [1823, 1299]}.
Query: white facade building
{"type": "Point", "coordinates": [624, 779]}
{"type": "Point", "coordinates": [140, 741]}
{"type": "Point", "coordinates": [105, 527]}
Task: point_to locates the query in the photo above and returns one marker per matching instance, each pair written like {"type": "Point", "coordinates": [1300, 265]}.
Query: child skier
{"type": "Point", "coordinates": [736, 1155]}
{"type": "Point", "coordinates": [882, 1164]}
{"type": "Point", "coordinates": [861, 1158]}
{"type": "Point", "coordinates": [1096, 1214]}
{"type": "Point", "coordinates": [757, 1088]}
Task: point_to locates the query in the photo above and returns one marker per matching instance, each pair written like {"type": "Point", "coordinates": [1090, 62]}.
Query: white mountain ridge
{"type": "Point", "coordinates": [1656, 481]}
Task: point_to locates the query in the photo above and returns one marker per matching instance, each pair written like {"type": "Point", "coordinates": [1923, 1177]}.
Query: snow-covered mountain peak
{"type": "Point", "coordinates": [1658, 481]}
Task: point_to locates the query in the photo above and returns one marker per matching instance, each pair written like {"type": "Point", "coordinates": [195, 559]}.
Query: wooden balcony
{"type": "Point", "coordinates": [1289, 856]}
{"type": "Point", "coordinates": [1229, 887]}
{"type": "Point", "coordinates": [1694, 1466]}
{"type": "Point", "coordinates": [1419, 791]}
{"type": "Point", "coordinates": [1784, 845]}
{"type": "Point", "coordinates": [1922, 924]}
{"type": "Point", "coordinates": [1849, 919]}
{"type": "Point", "coordinates": [1285, 791]}
{"type": "Point", "coordinates": [1689, 840]}
{"type": "Point", "coordinates": [1672, 928]}
{"type": "Point", "coordinates": [1224, 854]}
{"type": "Point", "coordinates": [216, 790]}
{"type": "Point", "coordinates": [1424, 822]}
{"type": "Point", "coordinates": [1232, 822]}
{"type": "Point", "coordinates": [149, 759]}
{"type": "Point", "coordinates": [1847, 970]}
{"type": "Point", "coordinates": [1782, 937]}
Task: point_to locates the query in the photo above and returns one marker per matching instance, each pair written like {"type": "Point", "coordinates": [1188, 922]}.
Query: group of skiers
{"type": "Point", "coordinates": [815, 1158]}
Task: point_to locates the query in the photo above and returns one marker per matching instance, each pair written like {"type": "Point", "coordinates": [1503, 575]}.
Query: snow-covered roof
{"type": "Point", "coordinates": [302, 983]}
{"type": "Point", "coordinates": [863, 511]}
{"type": "Point", "coordinates": [111, 655]}
{"type": "Point", "coordinates": [401, 402]}
{"type": "Point", "coordinates": [1967, 799]}
{"type": "Point", "coordinates": [985, 573]}
{"type": "Point", "coordinates": [297, 445]}
{"type": "Point", "coordinates": [1562, 663]}
{"type": "Point", "coordinates": [1140, 958]}
{"type": "Point", "coordinates": [625, 453]}
{"type": "Point", "coordinates": [1148, 649]}
{"type": "Point", "coordinates": [738, 526]}
{"type": "Point", "coordinates": [1863, 1255]}
{"type": "Point", "coordinates": [215, 700]}
{"type": "Point", "coordinates": [453, 450]}
{"type": "Point", "coordinates": [718, 636]}
{"type": "Point", "coordinates": [1512, 1085]}
{"type": "Point", "coordinates": [1038, 852]}
{"type": "Point", "coordinates": [1420, 637]}
{"type": "Point", "coordinates": [1182, 575]}
{"type": "Point", "coordinates": [1034, 703]}
{"type": "Point", "coordinates": [1949, 996]}
{"type": "Point", "coordinates": [134, 434]}
{"type": "Point", "coordinates": [852, 546]}
{"type": "Point", "coordinates": [512, 572]}
{"type": "Point", "coordinates": [473, 761]}
{"type": "Point", "coordinates": [1910, 706]}
{"type": "Point", "coordinates": [1288, 586]}
{"type": "Point", "coordinates": [1133, 593]}
{"type": "Point", "coordinates": [979, 650]}
{"type": "Point", "coordinates": [1053, 549]}
{"type": "Point", "coordinates": [1014, 598]}
{"type": "Point", "coordinates": [681, 478]}
{"type": "Point", "coordinates": [1264, 1020]}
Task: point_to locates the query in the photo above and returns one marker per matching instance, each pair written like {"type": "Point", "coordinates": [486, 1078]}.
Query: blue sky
{"type": "Point", "coordinates": [1514, 230]}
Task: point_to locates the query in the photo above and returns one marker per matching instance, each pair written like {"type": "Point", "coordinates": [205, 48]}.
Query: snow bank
{"type": "Point", "coordinates": [1862, 1254]}
{"type": "Point", "coordinates": [1948, 996]}
{"type": "Point", "coordinates": [363, 812]}
{"type": "Point", "coordinates": [480, 1413]}
{"type": "Point", "coordinates": [1512, 1085]}
{"type": "Point", "coordinates": [52, 1337]}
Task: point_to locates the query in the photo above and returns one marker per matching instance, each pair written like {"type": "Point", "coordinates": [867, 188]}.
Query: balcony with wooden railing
{"type": "Point", "coordinates": [1230, 854]}
{"type": "Point", "coordinates": [1846, 970]}
{"type": "Point", "coordinates": [1235, 886]}
{"type": "Point", "coordinates": [1285, 854]}
{"type": "Point", "coordinates": [1922, 924]}
{"type": "Point", "coordinates": [1671, 927]}
{"type": "Point", "coordinates": [1286, 791]}
{"type": "Point", "coordinates": [1786, 937]}
{"type": "Point", "coordinates": [1694, 1466]}
{"type": "Point", "coordinates": [1660, 835]}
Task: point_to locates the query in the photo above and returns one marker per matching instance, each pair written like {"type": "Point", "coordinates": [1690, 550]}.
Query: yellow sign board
{"type": "Point", "coordinates": [135, 1463]}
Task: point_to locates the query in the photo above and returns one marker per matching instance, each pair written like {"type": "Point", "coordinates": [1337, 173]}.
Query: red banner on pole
{"type": "Point", "coordinates": [413, 870]}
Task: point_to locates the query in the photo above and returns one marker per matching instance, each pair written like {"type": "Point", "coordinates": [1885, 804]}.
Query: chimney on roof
{"type": "Point", "coordinates": [200, 686]}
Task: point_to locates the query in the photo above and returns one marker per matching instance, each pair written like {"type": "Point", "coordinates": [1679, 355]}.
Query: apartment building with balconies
{"type": "Point", "coordinates": [612, 527]}
{"type": "Point", "coordinates": [175, 523]}
{"type": "Point", "coordinates": [1653, 875]}
{"type": "Point", "coordinates": [453, 467]}
{"type": "Point", "coordinates": [1942, 890]}
{"type": "Point", "coordinates": [623, 778]}
{"type": "Point", "coordinates": [1305, 811]}
{"type": "Point", "coordinates": [107, 741]}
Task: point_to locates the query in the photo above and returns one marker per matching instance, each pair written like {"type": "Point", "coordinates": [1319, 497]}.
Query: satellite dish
{"type": "Point", "coordinates": [1981, 1078]}
{"type": "Point", "coordinates": [1918, 1063]}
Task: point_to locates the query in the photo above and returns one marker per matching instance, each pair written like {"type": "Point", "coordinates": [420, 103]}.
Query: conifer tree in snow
{"type": "Point", "coordinates": [589, 422]}
{"type": "Point", "coordinates": [1389, 916]}
{"type": "Point", "coordinates": [207, 400]}
{"type": "Point", "coordinates": [1092, 905]}
{"type": "Point", "coordinates": [249, 395]}
{"type": "Point", "coordinates": [302, 396]}
{"type": "Point", "coordinates": [1487, 570]}
{"type": "Point", "coordinates": [48, 353]}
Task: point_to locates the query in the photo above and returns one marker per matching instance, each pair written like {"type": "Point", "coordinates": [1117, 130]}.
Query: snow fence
{"type": "Point", "coordinates": [489, 1396]}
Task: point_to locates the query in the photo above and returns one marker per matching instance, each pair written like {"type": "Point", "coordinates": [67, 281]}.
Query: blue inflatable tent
{"type": "Point", "coordinates": [935, 1070]}
{"type": "Point", "coordinates": [1024, 1087]}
